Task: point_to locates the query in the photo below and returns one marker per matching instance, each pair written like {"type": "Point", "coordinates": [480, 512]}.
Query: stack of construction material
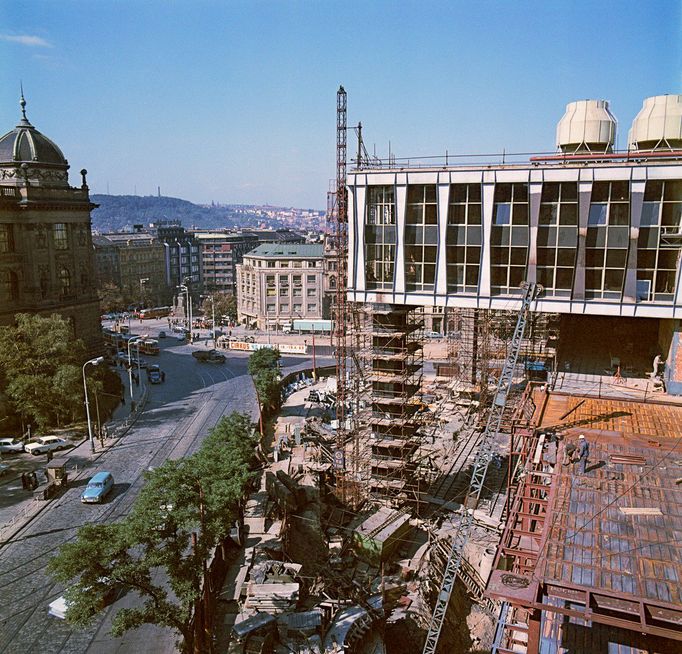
{"type": "Point", "coordinates": [272, 598]}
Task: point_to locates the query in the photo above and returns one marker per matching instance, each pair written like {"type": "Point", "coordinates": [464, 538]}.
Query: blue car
{"type": "Point", "coordinates": [98, 488]}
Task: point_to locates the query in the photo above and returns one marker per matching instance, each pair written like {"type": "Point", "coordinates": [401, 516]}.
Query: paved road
{"type": "Point", "coordinates": [178, 415]}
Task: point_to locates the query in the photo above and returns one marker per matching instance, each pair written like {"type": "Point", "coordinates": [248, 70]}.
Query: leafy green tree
{"type": "Point", "coordinates": [225, 305]}
{"type": "Point", "coordinates": [263, 367]}
{"type": "Point", "coordinates": [185, 509]}
{"type": "Point", "coordinates": [40, 362]}
{"type": "Point", "coordinates": [112, 298]}
{"type": "Point", "coordinates": [264, 359]}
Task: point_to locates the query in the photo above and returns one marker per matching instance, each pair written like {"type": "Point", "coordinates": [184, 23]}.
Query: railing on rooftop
{"type": "Point", "coordinates": [510, 159]}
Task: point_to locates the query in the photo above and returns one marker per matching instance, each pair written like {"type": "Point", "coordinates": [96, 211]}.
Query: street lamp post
{"type": "Point", "coordinates": [188, 309]}
{"type": "Point", "coordinates": [143, 295]}
{"type": "Point", "coordinates": [94, 362]}
{"type": "Point", "coordinates": [212, 298]}
{"type": "Point", "coordinates": [136, 342]}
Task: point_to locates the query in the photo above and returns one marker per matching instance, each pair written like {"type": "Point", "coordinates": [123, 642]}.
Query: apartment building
{"type": "Point", "coordinates": [279, 283]}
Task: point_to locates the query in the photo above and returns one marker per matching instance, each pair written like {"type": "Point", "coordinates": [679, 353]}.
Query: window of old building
{"type": "Point", "coordinates": [64, 282]}
{"type": "Point", "coordinates": [9, 285]}
{"type": "Point", "coordinates": [6, 238]}
{"type": "Point", "coordinates": [61, 238]}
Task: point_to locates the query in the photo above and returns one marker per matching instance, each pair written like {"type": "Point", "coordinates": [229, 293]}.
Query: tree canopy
{"type": "Point", "coordinates": [185, 509]}
{"type": "Point", "coordinates": [225, 305]}
{"type": "Point", "coordinates": [40, 369]}
{"type": "Point", "coordinates": [263, 367]}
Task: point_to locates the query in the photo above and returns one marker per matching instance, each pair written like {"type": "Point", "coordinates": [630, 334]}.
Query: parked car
{"type": "Point", "coordinates": [10, 444]}
{"type": "Point", "coordinates": [98, 488]}
{"type": "Point", "coordinates": [162, 334]}
{"type": "Point", "coordinates": [433, 335]}
{"type": "Point", "coordinates": [44, 444]}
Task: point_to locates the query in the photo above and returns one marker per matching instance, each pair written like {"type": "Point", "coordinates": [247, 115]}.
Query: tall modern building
{"type": "Point", "coordinates": [46, 256]}
{"type": "Point", "coordinates": [221, 252]}
{"type": "Point", "coordinates": [183, 256]}
{"type": "Point", "coordinates": [600, 230]}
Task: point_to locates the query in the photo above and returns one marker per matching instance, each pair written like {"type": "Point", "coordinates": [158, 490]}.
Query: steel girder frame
{"type": "Point", "coordinates": [481, 465]}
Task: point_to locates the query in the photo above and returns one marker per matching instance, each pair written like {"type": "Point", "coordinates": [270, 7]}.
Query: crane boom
{"type": "Point", "coordinates": [483, 458]}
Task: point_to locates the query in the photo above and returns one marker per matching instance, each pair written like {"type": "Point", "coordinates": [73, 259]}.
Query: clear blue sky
{"type": "Point", "coordinates": [235, 101]}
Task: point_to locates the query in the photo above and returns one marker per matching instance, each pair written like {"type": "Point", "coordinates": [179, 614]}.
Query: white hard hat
{"type": "Point", "coordinates": [581, 436]}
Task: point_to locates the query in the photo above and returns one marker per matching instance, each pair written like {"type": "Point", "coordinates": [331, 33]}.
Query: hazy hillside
{"type": "Point", "coordinates": [117, 212]}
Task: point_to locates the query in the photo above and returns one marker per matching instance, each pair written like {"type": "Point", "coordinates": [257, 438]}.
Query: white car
{"type": "Point", "coordinates": [44, 444]}
{"type": "Point", "coordinates": [11, 444]}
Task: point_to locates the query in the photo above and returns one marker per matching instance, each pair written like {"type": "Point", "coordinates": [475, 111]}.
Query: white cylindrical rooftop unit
{"type": "Point", "coordinates": [658, 125]}
{"type": "Point", "coordinates": [587, 126]}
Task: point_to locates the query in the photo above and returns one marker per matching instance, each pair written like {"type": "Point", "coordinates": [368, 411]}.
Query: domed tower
{"type": "Point", "coordinates": [46, 255]}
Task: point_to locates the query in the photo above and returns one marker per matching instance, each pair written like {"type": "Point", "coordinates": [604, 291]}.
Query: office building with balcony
{"type": "Point", "coordinates": [46, 255]}
{"type": "Point", "coordinates": [279, 283]}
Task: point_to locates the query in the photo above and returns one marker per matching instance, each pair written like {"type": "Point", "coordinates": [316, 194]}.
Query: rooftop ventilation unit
{"type": "Point", "coordinates": [658, 125]}
{"type": "Point", "coordinates": [587, 126]}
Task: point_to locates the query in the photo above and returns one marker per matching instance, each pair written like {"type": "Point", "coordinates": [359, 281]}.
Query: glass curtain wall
{"type": "Point", "coordinates": [557, 238]}
{"type": "Point", "coordinates": [421, 238]}
{"type": "Point", "coordinates": [509, 239]}
{"type": "Point", "coordinates": [658, 247]}
{"type": "Point", "coordinates": [464, 238]}
{"type": "Point", "coordinates": [608, 233]}
{"type": "Point", "coordinates": [380, 237]}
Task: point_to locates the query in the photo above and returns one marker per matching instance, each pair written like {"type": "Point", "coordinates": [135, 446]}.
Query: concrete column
{"type": "Point", "coordinates": [441, 266]}
{"type": "Point", "coordinates": [673, 364]}
{"type": "Point", "coordinates": [356, 237]}
{"type": "Point", "coordinates": [636, 204]}
{"type": "Point", "coordinates": [488, 197]}
{"type": "Point", "coordinates": [584, 195]}
{"type": "Point", "coordinates": [534, 197]}
{"type": "Point", "coordinates": [400, 208]}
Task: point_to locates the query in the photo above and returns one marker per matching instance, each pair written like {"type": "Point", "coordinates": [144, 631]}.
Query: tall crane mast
{"type": "Point", "coordinates": [341, 303]}
{"type": "Point", "coordinates": [483, 458]}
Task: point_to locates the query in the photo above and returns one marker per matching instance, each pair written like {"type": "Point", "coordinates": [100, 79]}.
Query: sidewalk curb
{"type": "Point", "coordinates": [39, 506]}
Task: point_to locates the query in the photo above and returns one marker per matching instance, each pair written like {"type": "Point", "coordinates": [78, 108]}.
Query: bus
{"type": "Point", "coordinates": [157, 312]}
{"type": "Point", "coordinates": [149, 346]}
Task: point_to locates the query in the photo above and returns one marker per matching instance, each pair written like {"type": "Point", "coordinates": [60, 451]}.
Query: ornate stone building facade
{"type": "Point", "coordinates": [46, 257]}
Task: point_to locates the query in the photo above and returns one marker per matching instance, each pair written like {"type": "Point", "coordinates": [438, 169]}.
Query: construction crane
{"type": "Point", "coordinates": [341, 303]}
{"type": "Point", "coordinates": [483, 459]}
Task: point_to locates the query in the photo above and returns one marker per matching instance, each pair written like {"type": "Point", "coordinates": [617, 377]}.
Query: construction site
{"type": "Point", "coordinates": [514, 487]}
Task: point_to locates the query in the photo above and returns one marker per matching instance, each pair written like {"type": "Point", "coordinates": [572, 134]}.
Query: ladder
{"type": "Point", "coordinates": [483, 458]}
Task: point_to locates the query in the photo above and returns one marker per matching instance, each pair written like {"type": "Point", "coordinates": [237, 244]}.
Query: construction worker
{"type": "Point", "coordinates": [583, 453]}
{"type": "Point", "coordinates": [569, 451]}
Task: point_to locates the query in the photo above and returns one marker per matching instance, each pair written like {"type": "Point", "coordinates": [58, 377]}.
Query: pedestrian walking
{"type": "Point", "coordinates": [583, 453]}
